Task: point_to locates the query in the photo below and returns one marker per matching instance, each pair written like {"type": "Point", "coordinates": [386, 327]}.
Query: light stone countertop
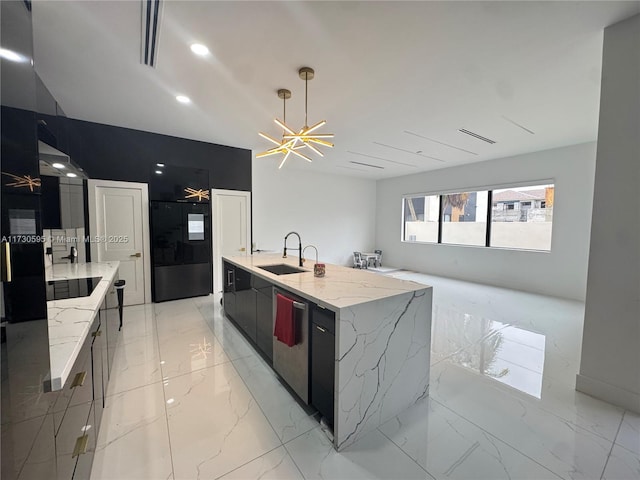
{"type": "Point", "coordinates": [341, 287]}
{"type": "Point", "coordinates": [71, 319]}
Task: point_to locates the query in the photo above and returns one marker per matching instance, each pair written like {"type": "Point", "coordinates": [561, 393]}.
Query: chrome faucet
{"type": "Point", "coordinates": [284, 254]}
{"type": "Point", "coordinates": [305, 248]}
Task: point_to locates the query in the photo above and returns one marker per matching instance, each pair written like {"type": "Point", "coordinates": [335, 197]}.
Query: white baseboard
{"type": "Point", "coordinates": [609, 393]}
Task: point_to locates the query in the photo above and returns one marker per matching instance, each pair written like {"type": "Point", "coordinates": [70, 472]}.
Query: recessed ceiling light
{"type": "Point", "coordinates": [72, 175]}
{"type": "Point", "coordinates": [159, 172]}
{"type": "Point", "coordinates": [12, 56]}
{"type": "Point", "coordinates": [57, 165]}
{"type": "Point", "coordinates": [160, 164]}
{"type": "Point", "coordinates": [183, 99]}
{"type": "Point", "coordinates": [199, 49]}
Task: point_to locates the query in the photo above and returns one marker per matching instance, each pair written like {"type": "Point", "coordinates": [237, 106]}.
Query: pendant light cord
{"type": "Point", "coordinates": [306, 82]}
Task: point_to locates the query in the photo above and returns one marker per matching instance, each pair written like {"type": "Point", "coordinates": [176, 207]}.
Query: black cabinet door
{"type": "Point", "coordinates": [323, 361]}
{"type": "Point", "coordinates": [245, 303]}
{"type": "Point", "coordinates": [166, 233]}
{"type": "Point", "coordinates": [246, 312]}
{"type": "Point", "coordinates": [264, 322]}
{"type": "Point", "coordinates": [229, 290]}
{"type": "Point", "coordinates": [99, 372]}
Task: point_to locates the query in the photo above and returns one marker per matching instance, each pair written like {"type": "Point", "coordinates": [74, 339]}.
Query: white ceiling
{"type": "Point", "coordinates": [382, 69]}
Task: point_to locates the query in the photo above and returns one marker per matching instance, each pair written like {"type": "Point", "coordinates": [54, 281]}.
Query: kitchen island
{"type": "Point", "coordinates": [382, 338]}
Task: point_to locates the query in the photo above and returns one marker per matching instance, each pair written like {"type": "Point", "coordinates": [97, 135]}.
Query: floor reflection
{"type": "Point", "coordinates": [508, 354]}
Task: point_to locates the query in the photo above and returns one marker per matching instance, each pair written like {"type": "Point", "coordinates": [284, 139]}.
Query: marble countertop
{"type": "Point", "coordinates": [70, 319]}
{"type": "Point", "coordinates": [341, 287]}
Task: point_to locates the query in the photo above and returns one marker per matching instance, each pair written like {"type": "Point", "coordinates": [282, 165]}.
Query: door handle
{"type": "Point", "coordinates": [6, 262]}
{"type": "Point", "coordinates": [80, 446]}
{"type": "Point", "coordinates": [78, 380]}
{"type": "Point", "coordinates": [137, 255]}
{"type": "Point", "coordinates": [321, 329]}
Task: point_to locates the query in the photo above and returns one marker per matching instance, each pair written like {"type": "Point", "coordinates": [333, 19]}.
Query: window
{"type": "Point", "coordinates": [528, 228]}
{"type": "Point", "coordinates": [519, 217]}
{"type": "Point", "coordinates": [421, 218]}
{"type": "Point", "coordinates": [464, 218]}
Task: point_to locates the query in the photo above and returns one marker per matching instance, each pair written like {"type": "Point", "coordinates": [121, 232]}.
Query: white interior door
{"type": "Point", "coordinates": [119, 223]}
{"type": "Point", "coordinates": [231, 227]}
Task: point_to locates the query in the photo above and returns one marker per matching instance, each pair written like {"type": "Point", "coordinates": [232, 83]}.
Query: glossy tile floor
{"type": "Point", "coordinates": [190, 399]}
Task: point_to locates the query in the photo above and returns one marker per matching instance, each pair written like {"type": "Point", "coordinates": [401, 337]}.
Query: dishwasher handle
{"type": "Point", "coordinates": [300, 305]}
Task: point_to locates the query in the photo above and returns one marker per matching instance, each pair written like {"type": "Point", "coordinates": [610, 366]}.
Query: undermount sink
{"type": "Point", "coordinates": [281, 269]}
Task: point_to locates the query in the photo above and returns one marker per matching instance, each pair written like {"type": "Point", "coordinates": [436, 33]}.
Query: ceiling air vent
{"type": "Point", "coordinates": [366, 164]}
{"type": "Point", "coordinates": [475, 135]}
{"type": "Point", "coordinates": [151, 15]}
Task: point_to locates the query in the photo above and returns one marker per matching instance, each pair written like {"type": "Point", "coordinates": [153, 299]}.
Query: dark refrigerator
{"type": "Point", "coordinates": [180, 250]}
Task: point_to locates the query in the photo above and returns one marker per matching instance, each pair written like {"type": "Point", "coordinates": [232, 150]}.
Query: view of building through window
{"type": "Point", "coordinates": [421, 218]}
{"type": "Point", "coordinates": [464, 218]}
{"type": "Point", "coordinates": [520, 218]}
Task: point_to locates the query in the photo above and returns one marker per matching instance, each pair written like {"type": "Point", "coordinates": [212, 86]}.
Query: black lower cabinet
{"type": "Point", "coordinates": [245, 315]}
{"type": "Point", "coordinates": [229, 290]}
{"type": "Point", "coordinates": [323, 361]}
{"type": "Point", "coordinates": [87, 448]}
{"type": "Point", "coordinates": [69, 435]}
{"type": "Point", "coordinates": [264, 322]}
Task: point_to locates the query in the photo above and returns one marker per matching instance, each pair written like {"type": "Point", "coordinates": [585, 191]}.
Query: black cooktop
{"type": "Point", "coordinates": [77, 287]}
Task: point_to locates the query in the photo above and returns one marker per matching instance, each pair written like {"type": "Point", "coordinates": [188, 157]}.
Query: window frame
{"type": "Point", "coordinates": [489, 220]}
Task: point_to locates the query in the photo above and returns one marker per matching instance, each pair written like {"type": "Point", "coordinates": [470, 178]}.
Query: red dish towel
{"type": "Point", "coordinates": [285, 329]}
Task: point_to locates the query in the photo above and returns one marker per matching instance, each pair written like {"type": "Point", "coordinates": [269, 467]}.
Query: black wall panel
{"type": "Point", "coordinates": [115, 153]}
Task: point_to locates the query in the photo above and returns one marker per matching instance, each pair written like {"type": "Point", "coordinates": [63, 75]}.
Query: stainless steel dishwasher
{"type": "Point", "coordinates": [292, 363]}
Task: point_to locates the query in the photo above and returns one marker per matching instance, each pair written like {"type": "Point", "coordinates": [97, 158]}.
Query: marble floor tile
{"type": "Point", "coordinates": [512, 357]}
{"type": "Point", "coordinates": [215, 424]}
{"type": "Point", "coordinates": [189, 351]}
{"type": "Point", "coordinates": [287, 417]}
{"type": "Point", "coordinates": [449, 447]}
{"type": "Point", "coordinates": [133, 442]}
{"type": "Point", "coordinates": [629, 434]}
{"type": "Point", "coordinates": [274, 465]}
{"type": "Point", "coordinates": [563, 447]}
{"type": "Point", "coordinates": [135, 364]}
{"type": "Point", "coordinates": [372, 457]}
{"type": "Point", "coordinates": [138, 323]}
{"type": "Point", "coordinates": [622, 465]}
{"type": "Point", "coordinates": [233, 342]}
{"type": "Point", "coordinates": [183, 323]}
{"type": "Point", "coordinates": [503, 401]}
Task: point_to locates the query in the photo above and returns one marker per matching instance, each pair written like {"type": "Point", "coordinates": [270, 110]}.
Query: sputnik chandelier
{"type": "Point", "coordinates": [286, 147]}
{"type": "Point", "coordinates": [292, 141]}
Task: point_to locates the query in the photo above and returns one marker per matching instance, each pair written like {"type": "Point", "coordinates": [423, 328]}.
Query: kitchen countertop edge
{"type": "Point", "coordinates": [332, 290]}
{"type": "Point", "coordinates": [72, 318]}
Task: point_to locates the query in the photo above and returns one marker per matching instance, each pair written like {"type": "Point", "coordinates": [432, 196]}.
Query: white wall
{"type": "Point", "coordinates": [334, 213]}
{"type": "Point", "coordinates": [610, 362]}
{"type": "Point", "coordinates": [561, 272]}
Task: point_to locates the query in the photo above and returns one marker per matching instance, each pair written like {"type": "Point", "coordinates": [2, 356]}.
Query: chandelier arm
{"type": "Point", "coordinates": [267, 153]}
{"type": "Point", "coordinates": [307, 130]}
{"type": "Point", "coordinates": [320, 142]}
{"type": "Point", "coordinates": [301, 155]}
{"type": "Point", "coordinates": [314, 149]}
{"type": "Point", "coordinates": [284, 127]}
{"type": "Point", "coordinates": [284, 159]}
{"type": "Point", "coordinates": [306, 137]}
{"type": "Point", "coordinates": [267, 137]}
